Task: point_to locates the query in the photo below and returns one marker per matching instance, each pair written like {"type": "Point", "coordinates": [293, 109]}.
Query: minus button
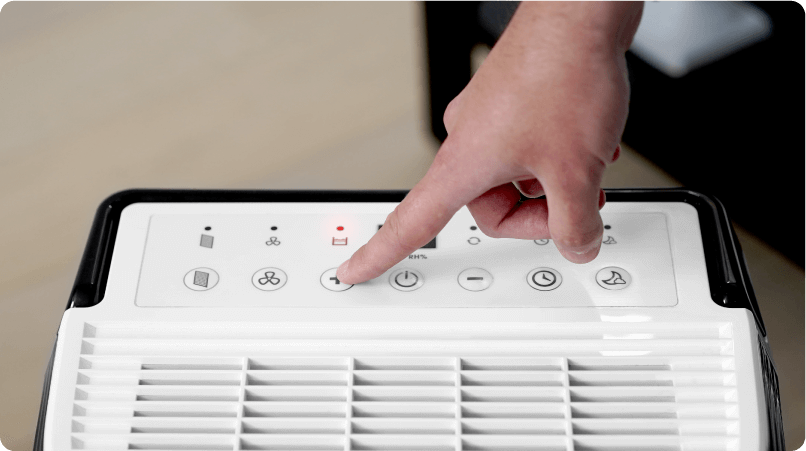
{"type": "Point", "coordinates": [475, 279]}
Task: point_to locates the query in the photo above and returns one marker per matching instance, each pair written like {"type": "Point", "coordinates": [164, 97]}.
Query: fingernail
{"type": "Point", "coordinates": [589, 248]}
{"type": "Point", "coordinates": [583, 254]}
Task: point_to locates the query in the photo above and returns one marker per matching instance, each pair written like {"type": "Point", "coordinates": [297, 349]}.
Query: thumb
{"type": "Point", "coordinates": [574, 200]}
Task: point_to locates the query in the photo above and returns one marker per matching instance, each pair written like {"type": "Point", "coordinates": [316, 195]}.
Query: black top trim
{"type": "Point", "coordinates": [727, 272]}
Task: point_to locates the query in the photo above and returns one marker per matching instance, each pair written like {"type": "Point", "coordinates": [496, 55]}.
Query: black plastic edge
{"type": "Point", "coordinates": [727, 273]}
{"type": "Point", "coordinates": [39, 436]}
{"type": "Point", "coordinates": [772, 396]}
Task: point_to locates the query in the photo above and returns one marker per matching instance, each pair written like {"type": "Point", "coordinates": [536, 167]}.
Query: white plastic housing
{"type": "Point", "coordinates": [156, 365]}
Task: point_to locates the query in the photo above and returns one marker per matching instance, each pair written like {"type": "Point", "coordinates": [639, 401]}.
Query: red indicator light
{"type": "Point", "coordinates": [339, 228]}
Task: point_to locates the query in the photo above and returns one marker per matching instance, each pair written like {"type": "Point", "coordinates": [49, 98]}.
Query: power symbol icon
{"type": "Point", "coordinates": [408, 279]}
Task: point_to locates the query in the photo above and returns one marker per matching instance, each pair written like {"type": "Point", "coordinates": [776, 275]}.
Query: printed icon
{"type": "Point", "coordinates": [273, 241]}
{"type": "Point", "coordinates": [609, 240]}
{"type": "Point", "coordinates": [269, 277]}
{"type": "Point", "coordinates": [330, 281]}
{"type": "Point", "coordinates": [206, 241]}
{"type": "Point", "coordinates": [200, 278]}
{"type": "Point", "coordinates": [542, 242]}
{"type": "Point", "coordinates": [408, 280]}
{"type": "Point", "coordinates": [475, 279]}
{"type": "Point", "coordinates": [340, 241]}
{"type": "Point", "coordinates": [615, 279]}
{"type": "Point", "coordinates": [474, 240]}
{"type": "Point", "coordinates": [544, 278]}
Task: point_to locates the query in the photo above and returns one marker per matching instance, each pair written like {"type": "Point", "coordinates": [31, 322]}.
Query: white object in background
{"type": "Point", "coordinates": [678, 37]}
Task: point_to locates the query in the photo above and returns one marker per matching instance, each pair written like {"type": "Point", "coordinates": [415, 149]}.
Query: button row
{"type": "Point", "coordinates": [473, 279]}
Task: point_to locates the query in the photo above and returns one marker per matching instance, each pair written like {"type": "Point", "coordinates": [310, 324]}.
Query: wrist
{"type": "Point", "coordinates": [603, 27]}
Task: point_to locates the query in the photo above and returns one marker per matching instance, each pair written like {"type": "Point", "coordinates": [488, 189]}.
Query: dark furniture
{"type": "Point", "coordinates": [734, 128]}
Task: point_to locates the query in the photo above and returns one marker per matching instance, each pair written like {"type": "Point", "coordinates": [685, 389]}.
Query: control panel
{"type": "Point", "coordinates": [288, 258]}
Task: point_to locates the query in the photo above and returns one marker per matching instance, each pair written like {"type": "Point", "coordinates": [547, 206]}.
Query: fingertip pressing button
{"type": "Point", "coordinates": [331, 282]}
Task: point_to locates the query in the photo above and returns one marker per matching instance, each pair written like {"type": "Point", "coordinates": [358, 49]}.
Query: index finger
{"type": "Point", "coordinates": [447, 186]}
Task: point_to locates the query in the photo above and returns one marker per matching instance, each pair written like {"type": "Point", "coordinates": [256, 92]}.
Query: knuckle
{"type": "Point", "coordinates": [491, 229]}
{"type": "Point", "coordinates": [449, 115]}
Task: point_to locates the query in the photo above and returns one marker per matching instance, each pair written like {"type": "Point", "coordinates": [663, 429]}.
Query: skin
{"type": "Point", "coordinates": [542, 117]}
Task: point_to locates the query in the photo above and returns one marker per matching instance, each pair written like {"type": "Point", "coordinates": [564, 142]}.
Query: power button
{"type": "Point", "coordinates": [406, 279]}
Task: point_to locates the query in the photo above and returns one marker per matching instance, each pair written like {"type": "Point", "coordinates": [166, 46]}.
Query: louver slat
{"type": "Point", "coordinates": [197, 391]}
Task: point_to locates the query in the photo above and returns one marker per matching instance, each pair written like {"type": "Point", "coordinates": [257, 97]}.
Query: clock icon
{"type": "Point", "coordinates": [544, 279]}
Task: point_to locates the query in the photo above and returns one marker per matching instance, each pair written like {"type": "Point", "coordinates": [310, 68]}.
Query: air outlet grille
{"type": "Point", "coordinates": [204, 392]}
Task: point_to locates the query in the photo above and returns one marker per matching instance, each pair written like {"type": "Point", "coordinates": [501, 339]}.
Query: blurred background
{"type": "Point", "coordinates": [98, 97]}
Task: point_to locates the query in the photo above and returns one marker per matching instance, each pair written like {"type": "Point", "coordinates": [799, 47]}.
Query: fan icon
{"type": "Point", "coordinates": [269, 278]}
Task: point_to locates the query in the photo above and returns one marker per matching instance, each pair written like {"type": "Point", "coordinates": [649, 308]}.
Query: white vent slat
{"type": "Point", "coordinates": [138, 392]}
{"type": "Point", "coordinates": [608, 388]}
{"type": "Point", "coordinates": [296, 410]}
{"type": "Point", "coordinates": [155, 426]}
{"type": "Point", "coordinates": [515, 442]}
{"type": "Point", "coordinates": [296, 394]}
{"type": "Point", "coordinates": [261, 331]}
{"type": "Point", "coordinates": [155, 409]}
{"type": "Point", "coordinates": [622, 410]}
{"type": "Point", "coordinates": [512, 410]}
{"type": "Point", "coordinates": [213, 347]}
{"type": "Point", "coordinates": [652, 442]}
{"type": "Point", "coordinates": [201, 442]}
{"type": "Point", "coordinates": [294, 426]}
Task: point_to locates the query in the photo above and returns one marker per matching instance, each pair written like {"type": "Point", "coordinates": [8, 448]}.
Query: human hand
{"type": "Point", "coordinates": [543, 116]}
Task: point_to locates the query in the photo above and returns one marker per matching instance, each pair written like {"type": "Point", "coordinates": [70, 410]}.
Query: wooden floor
{"type": "Point", "coordinates": [100, 97]}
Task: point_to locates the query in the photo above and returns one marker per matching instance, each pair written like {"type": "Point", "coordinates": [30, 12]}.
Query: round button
{"type": "Point", "coordinates": [475, 279]}
{"type": "Point", "coordinates": [269, 279]}
{"type": "Point", "coordinates": [201, 279]}
{"type": "Point", "coordinates": [542, 242]}
{"type": "Point", "coordinates": [544, 279]}
{"type": "Point", "coordinates": [331, 282]}
{"type": "Point", "coordinates": [613, 278]}
{"type": "Point", "coordinates": [406, 279]}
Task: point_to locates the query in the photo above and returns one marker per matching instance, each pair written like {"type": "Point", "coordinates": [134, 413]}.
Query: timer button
{"type": "Point", "coordinates": [406, 279]}
{"type": "Point", "coordinates": [544, 279]}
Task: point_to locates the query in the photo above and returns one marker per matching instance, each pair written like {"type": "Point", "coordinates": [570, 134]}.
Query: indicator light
{"type": "Point", "coordinates": [340, 228]}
